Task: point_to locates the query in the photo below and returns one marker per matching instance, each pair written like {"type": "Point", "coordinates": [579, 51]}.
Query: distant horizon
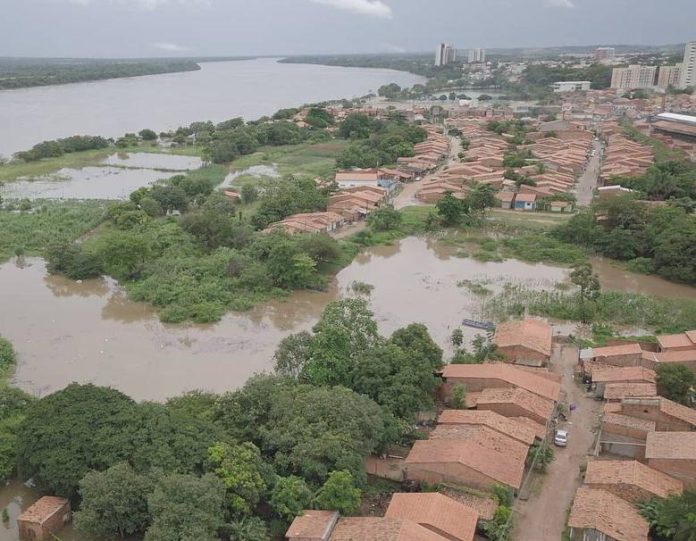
{"type": "Point", "coordinates": [590, 47]}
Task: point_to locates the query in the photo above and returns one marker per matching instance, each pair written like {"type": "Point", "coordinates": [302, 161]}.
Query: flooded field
{"type": "Point", "coordinates": [115, 178]}
{"type": "Point", "coordinates": [90, 332]}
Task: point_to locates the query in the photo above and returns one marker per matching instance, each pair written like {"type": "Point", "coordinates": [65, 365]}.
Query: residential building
{"type": "Point", "coordinates": [669, 76]}
{"type": "Point", "coordinates": [525, 201]}
{"type": "Point", "coordinates": [571, 86]}
{"type": "Point", "coordinates": [602, 376]}
{"type": "Point", "coordinates": [623, 435]}
{"type": "Point", "coordinates": [605, 54]}
{"type": "Point", "coordinates": [478, 377]}
{"type": "Point", "coordinates": [667, 415]}
{"type": "Point", "coordinates": [525, 342]}
{"type": "Point", "coordinates": [504, 425]}
{"type": "Point", "coordinates": [619, 355]}
{"type": "Point", "coordinates": [472, 462]}
{"type": "Point", "coordinates": [688, 71]}
{"type": "Point", "coordinates": [44, 519]}
{"type": "Point", "coordinates": [438, 513]}
{"type": "Point", "coordinates": [673, 453]}
{"type": "Point", "coordinates": [634, 77]}
{"type": "Point", "coordinates": [516, 403]}
{"type": "Point", "coordinates": [631, 480]}
{"type": "Point", "coordinates": [676, 125]}
{"type": "Point", "coordinates": [616, 392]}
{"type": "Point", "coordinates": [477, 56]}
{"type": "Point", "coordinates": [677, 342]}
{"type": "Point", "coordinates": [598, 515]}
{"type": "Point", "coordinates": [445, 54]}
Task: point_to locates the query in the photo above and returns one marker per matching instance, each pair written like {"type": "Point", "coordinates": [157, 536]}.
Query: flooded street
{"type": "Point", "coordinates": [115, 178]}
{"type": "Point", "coordinates": [90, 332]}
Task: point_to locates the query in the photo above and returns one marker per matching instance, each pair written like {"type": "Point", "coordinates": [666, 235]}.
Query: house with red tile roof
{"type": "Point", "coordinates": [677, 342]}
{"type": "Point", "coordinates": [435, 512]}
{"type": "Point", "coordinates": [616, 392]}
{"type": "Point", "coordinates": [44, 519]}
{"type": "Point", "coordinates": [525, 342]}
{"type": "Point", "coordinates": [631, 480]}
{"type": "Point", "coordinates": [600, 515]}
{"type": "Point", "coordinates": [490, 419]}
{"type": "Point", "coordinates": [516, 402]}
{"type": "Point", "coordinates": [477, 377]}
{"type": "Point", "coordinates": [673, 453]}
{"type": "Point", "coordinates": [604, 375]}
{"type": "Point", "coordinates": [667, 415]}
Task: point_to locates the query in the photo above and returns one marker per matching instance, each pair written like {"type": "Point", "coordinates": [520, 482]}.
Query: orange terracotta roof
{"type": "Point", "coordinates": [612, 351]}
{"type": "Point", "coordinates": [483, 436]}
{"type": "Point", "coordinates": [632, 472]}
{"type": "Point", "coordinates": [627, 421]}
{"type": "Point", "coordinates": [43, 509]}
{"type": "Point", "coordinates": [531, 333]}
{"type": "Point", "coordinates": [437, 512]}
{"type": "Point", "coordinates": [597, 509]}
{"type": "Point", "coordinates": [381, 529]}
{"type": "Point", "coordinates": [622, 374]}
{"type": "Point", "coordinates": [511, 427]}
{"type": "Point", "coordinates": [530, 402]}
{"type": "Point", "coordinates": [513, 375]}
{"type": "Point", "coordinates": [681, 340]}
{"type": "Point", "coordinates": [671, 445]}
{"type": "Point", "coordinates": [499, 466]}
{"type": "Point", "coordinates": [618, 391]}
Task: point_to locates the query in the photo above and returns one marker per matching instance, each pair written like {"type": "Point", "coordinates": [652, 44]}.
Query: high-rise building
{"type": "Point", "coordinates": [605, 53]}
{"type": "Point", "coordinates": [688, 70]}
{"type": "Point", "coordinates": [634, 77]}
{"type": "Point", "coordinates": [445, 54]}
{"type": "Point", "coordinates": [477, 56]}
{"type": "Point", "coordinates": [669, 76]}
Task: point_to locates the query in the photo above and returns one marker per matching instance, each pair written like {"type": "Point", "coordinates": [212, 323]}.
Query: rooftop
{"type": "Point", "coordinates": [622, 349]}
{"type": "Point", "coordinates": [621, 374]}
{"type": "Point", "coordinates": [602, 511]}
{"type": "Point", "coordinates": [381, 529]}
{"type": "Point", "coordinates": [618, 391]}
{"type": "Point", "coordinates": [43, 509]}
{"type": "Point", "coordinates": [437, 512]}
{"type": "Point", "coordinates": [533, 334]}
{"type": "Point", "coordinates": [530, 402]}
{"type": "Point", "coordinates": [525, 379]}
{"type": "Point", "coordinates": [671, 445]}
{"type": "Point", "coordinates": [632, 472]}
{"type": "Point", "coordinates": [497, 465]}
{"type": "Point", "coordinates": [681, 340]}
{"type": "Point", "coordinates": [511, 427]}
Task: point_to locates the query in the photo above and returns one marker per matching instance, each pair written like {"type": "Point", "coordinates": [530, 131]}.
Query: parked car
{"type": "Point", "coordinates": [561, 438]}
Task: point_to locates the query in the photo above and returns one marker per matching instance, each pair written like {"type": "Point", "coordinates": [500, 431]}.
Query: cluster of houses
{"type": "Point", "coordinates": [509, 406]}
{"type": "Point", "coordinates": [647, 444]}
{"type": "Point", "coordinates": [623, 157]}
{"type": "Point", "coordinates": [558, 157]}
{"type": "Point", "coordinates": [428, 155]}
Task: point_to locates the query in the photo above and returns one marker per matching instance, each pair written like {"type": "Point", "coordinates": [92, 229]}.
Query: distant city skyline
{"type": "Point", "coordinates": [146, 28]}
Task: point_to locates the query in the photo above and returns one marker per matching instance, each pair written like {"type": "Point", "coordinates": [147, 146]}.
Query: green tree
{"type": "Point", "coordinates": [675, 382]}
{"type": "Point", "coordinates": [588, 282]}
{"type": "Point", "coordinates": [114, 502]}
{"type": "Point", "coordinates": [385, 219]}
{"type": "Point", "coordinates": [240, 468]}
{"type": "Point", "coordinates": [185, 507]}
{"type": "Point", "coordinates": [290, 496]}
{"type": "Point", "coordinates": [338, 493]}
{"type": "Point", "coordinates": [457, 338]}
{"type": "Point", "coordinates": [122, 254]}
{"type": "Point", "coordinates": [248, 529]}
{"type": "Point", "coordinates": [249, 193]}
{"type": "Point", "coordinates": [147, 135]}
{"type": "Point", "coordinates": [14, 404]}
{"type": "Point", "coordinates": [452, 211]}
{"type": "Point", "coordinates": [292, 354]}
{"type": "Point", "coordinates": [672, 518]}
{"type": "Point", "coordinates": [540, 455]}
{"type": "Point", "coordinates": [457, 399]}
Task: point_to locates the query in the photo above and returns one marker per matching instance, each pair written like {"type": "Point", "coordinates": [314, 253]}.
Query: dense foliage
{"type": "Point", "coordinates": [675, 382]}
{"type": "Point", "coordinates": [673, 518]}
{"type": "Point", "coordinates": [660, 239]}
{"type": "Point", "coordinates": [22, 72]}
{"type": "Point", "coordinates": [58, 147]}
{"type": "Point", "coordinates": [377, 143]}
{"type": "Point", "coordinates": [663, 181]}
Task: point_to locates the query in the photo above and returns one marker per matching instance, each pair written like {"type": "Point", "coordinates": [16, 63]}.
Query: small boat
{"type": "Point", "coordinates": [485, 325]}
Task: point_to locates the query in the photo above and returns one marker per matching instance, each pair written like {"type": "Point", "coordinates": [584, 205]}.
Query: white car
{"type": "Point", "coordinates": [561, 438]}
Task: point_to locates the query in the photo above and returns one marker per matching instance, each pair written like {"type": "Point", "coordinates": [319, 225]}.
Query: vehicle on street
{"type": "Point", "coordinates": [561, 438]}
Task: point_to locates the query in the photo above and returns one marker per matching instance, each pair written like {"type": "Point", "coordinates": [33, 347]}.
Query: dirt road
{"type": "Point", "coordinates": [543, 516]}
{"type": "Point", "coordinates": [587, 182]}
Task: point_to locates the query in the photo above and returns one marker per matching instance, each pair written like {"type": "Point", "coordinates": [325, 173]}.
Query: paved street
{"type": "Point", "coordinates": [588, 180]}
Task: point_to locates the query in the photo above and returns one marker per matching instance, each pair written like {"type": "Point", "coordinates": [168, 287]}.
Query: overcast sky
{"type": "Point", "coordinates": [248, 27]}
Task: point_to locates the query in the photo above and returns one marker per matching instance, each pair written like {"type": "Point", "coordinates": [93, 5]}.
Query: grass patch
{"type": "Point", "coordinates": [318, 159]}
{"type": "Point", "coordinates": [414, 221]}
{"type": "Point", "coordinates": [30, 232]}
{"type": "Point", "coordinates": [477, 288]}
{"type": "Point", "coordinates": [541, 247]}
{"type": "Point", "coordinates": [610, 308]}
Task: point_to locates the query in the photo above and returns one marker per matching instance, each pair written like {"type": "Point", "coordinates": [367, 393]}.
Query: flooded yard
{"type": "Point", "coordinates": [90, 332]}
{"type": "Point", "coordinates": [115, 178]}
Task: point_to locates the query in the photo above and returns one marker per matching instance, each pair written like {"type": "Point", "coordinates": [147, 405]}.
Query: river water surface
{"type": "Point", "coordinates": [219, 91]}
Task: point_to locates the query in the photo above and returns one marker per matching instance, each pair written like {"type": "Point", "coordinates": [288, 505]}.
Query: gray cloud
{"type": "Point", "coordinates": [169, 47]}
{"type": "Point", "coordinates": [373, 8]}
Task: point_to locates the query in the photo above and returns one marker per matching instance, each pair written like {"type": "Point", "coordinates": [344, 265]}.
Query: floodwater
{"type": "Point", "coordinates": [115, 178]}
{"type": "Point", "coordinates": [90, 332]}
{"type": "Point", "coordinates": [256, 171]}
{"type": "Point", "coordinates": [219, 91]}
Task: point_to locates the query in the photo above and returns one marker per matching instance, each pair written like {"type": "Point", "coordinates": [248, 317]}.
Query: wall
{"type": "Point", "coordinates": [512, 410]}
{"type": "Point", "coordinates": [522, 355]}
{"type": "Point", "coordinates": [434, 473]}
{"type": "Point", "coordinates": [663, 422]}
{"type": "Point", "coordinates": [684, 470]}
